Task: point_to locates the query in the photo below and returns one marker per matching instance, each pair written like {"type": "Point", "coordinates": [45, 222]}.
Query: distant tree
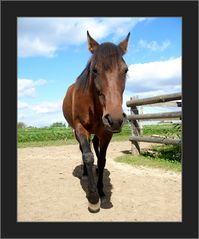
{"type": "Point", "coordinates": [58, 124]}
{"type": "Point", "coordinates": [21, 125]}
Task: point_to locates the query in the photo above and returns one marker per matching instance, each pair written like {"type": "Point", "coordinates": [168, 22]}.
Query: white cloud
{"type": "Point", "coordinates": [26, 87]}
{"type": "Point", "coordinates": [37, 46]}
{"type": "Point", "coordinates": [154, 45]}
{"type": "Point", "coordinates": [153, 79]}
{"type": "Point", "coordinates": [40, 114]}
{"type": "Point", "coordinates": [159, 76]}
{"type": "Point", "coordinates": [44, 36]}
{"type": "Point", "coordinates": [38, 120]}
{"type": "Point", "coordinates": [20, 117]}
{"type": "Point", "coordinates": [47, 107]}
{"type": "Point", "coordinates": [22, 105]}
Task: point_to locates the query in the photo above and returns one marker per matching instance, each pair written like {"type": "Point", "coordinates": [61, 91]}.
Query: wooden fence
{"type": "Point", "coordinates": [135, 119]}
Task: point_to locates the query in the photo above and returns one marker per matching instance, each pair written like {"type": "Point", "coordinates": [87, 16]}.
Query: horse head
{"type": "Point", "coordinates": [108, 73]}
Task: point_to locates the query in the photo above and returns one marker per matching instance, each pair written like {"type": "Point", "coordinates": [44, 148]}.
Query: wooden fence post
{"type": "Point", "coordinates": [135, 147]}
{"type": "Point", "coordinates": [140, 121]}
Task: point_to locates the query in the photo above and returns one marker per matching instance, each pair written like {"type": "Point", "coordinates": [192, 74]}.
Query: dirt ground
{"type": "Point", "coordinates": [50, 188]}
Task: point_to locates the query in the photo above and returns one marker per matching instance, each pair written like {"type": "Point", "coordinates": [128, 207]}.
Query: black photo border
{"type": "Point", "coordinates": [10, 10]}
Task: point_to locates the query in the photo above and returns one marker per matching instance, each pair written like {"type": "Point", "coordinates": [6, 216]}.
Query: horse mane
{"type": "Point", "coordinates": [107, 55]}
{"type": "Point", "coordinates": [83, 78]}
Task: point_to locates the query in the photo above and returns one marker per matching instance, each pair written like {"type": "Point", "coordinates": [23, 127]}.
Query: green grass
{"type": "Point", "coordinates": [167, 157]}
{"type": "Point", "coordinates": [39, 137]}
{"type": "Point", "coordinates": [44, 134]}
{"type": "Point", "coordinates": [171, 153]}
{"type": "Point", "coordinates": [61, 135]}
{"type": "Point", "coordinates": [169, 130]}
{"type": "Point", "coordinates": [148, 162]}
{"type": "Point", "coordinates": [46, 143]}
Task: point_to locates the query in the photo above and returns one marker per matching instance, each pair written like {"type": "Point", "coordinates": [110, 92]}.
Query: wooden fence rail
{"type": "Point", "coordinates": [168, 115]}
{"type": "Point", "coordinates": [154, 100]}
{"type": "Point", "coordinates": [135, 117]}
{"type": "Point", "coordinates": [153, 139]}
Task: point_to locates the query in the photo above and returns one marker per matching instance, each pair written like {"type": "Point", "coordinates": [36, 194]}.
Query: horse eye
{"type": "Point", "coordinates": [99, 93]}
{"type": "Point", "coordinates": [126, 70]}
{"type": "Point", "coordinates": [94, 70]}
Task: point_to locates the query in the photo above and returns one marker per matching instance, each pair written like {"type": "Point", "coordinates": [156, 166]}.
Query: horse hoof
{"type": "Point", "coordinates": [94, 207]}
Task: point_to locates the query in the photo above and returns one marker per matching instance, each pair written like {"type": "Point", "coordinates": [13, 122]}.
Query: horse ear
{"type": "Point", "coordinates": [124, 44]}
{"type": "Point", "coordinates": [92, 44]}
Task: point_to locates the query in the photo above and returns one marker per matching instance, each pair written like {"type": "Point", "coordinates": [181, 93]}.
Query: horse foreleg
{"type": "Point", "coordinates": [104, 142]}
{"type": "Point", "coordinates": [85, 173]}
{"type": "Point", "coordinates": [96, 148]}
{"type": "Point", "coordinates": [96, 145]}
{"type": "Point", "coordinates": [88, 159]}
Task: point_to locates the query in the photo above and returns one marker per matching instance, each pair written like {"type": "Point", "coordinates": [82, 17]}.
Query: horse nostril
{"type": "Point", "coordinates": [124, 115]}
{"type": "Point", "coordinates": [113, 124]}
{"type": "Point", "coordinates": [119, 122]}
{"type": "Point", "coordinates": [109, 119]}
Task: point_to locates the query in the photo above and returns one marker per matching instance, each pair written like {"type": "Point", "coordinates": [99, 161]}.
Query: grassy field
{"type": "Point", "coordinates": [61, 135]}
{"type": "Point", "coordinates": [26, 135]}
{"type": "Point", "coordinates": [169, 130]}
{"type": "Point", "coordinates": [56, 136]}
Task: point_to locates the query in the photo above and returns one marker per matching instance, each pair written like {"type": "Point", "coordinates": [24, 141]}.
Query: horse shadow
{"type": "Point", "coordinates": [105, 201]}
{"type": "Point", "coordinates": [126, 152]}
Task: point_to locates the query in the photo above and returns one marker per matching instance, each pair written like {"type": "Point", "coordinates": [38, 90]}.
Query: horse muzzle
{"type": "Point", "coordinates": [113, 124]}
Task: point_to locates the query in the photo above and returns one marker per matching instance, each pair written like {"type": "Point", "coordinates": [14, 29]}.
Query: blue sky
{"type": "Point", "coordinates": [52, 52]}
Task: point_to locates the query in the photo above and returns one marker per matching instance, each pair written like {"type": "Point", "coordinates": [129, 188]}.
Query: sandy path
{"type": "Point", "coordinates": [50, 189]}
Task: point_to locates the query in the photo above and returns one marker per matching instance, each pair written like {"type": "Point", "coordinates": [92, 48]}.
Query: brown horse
{"type": "Point", "coordinates": [93, 105]}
